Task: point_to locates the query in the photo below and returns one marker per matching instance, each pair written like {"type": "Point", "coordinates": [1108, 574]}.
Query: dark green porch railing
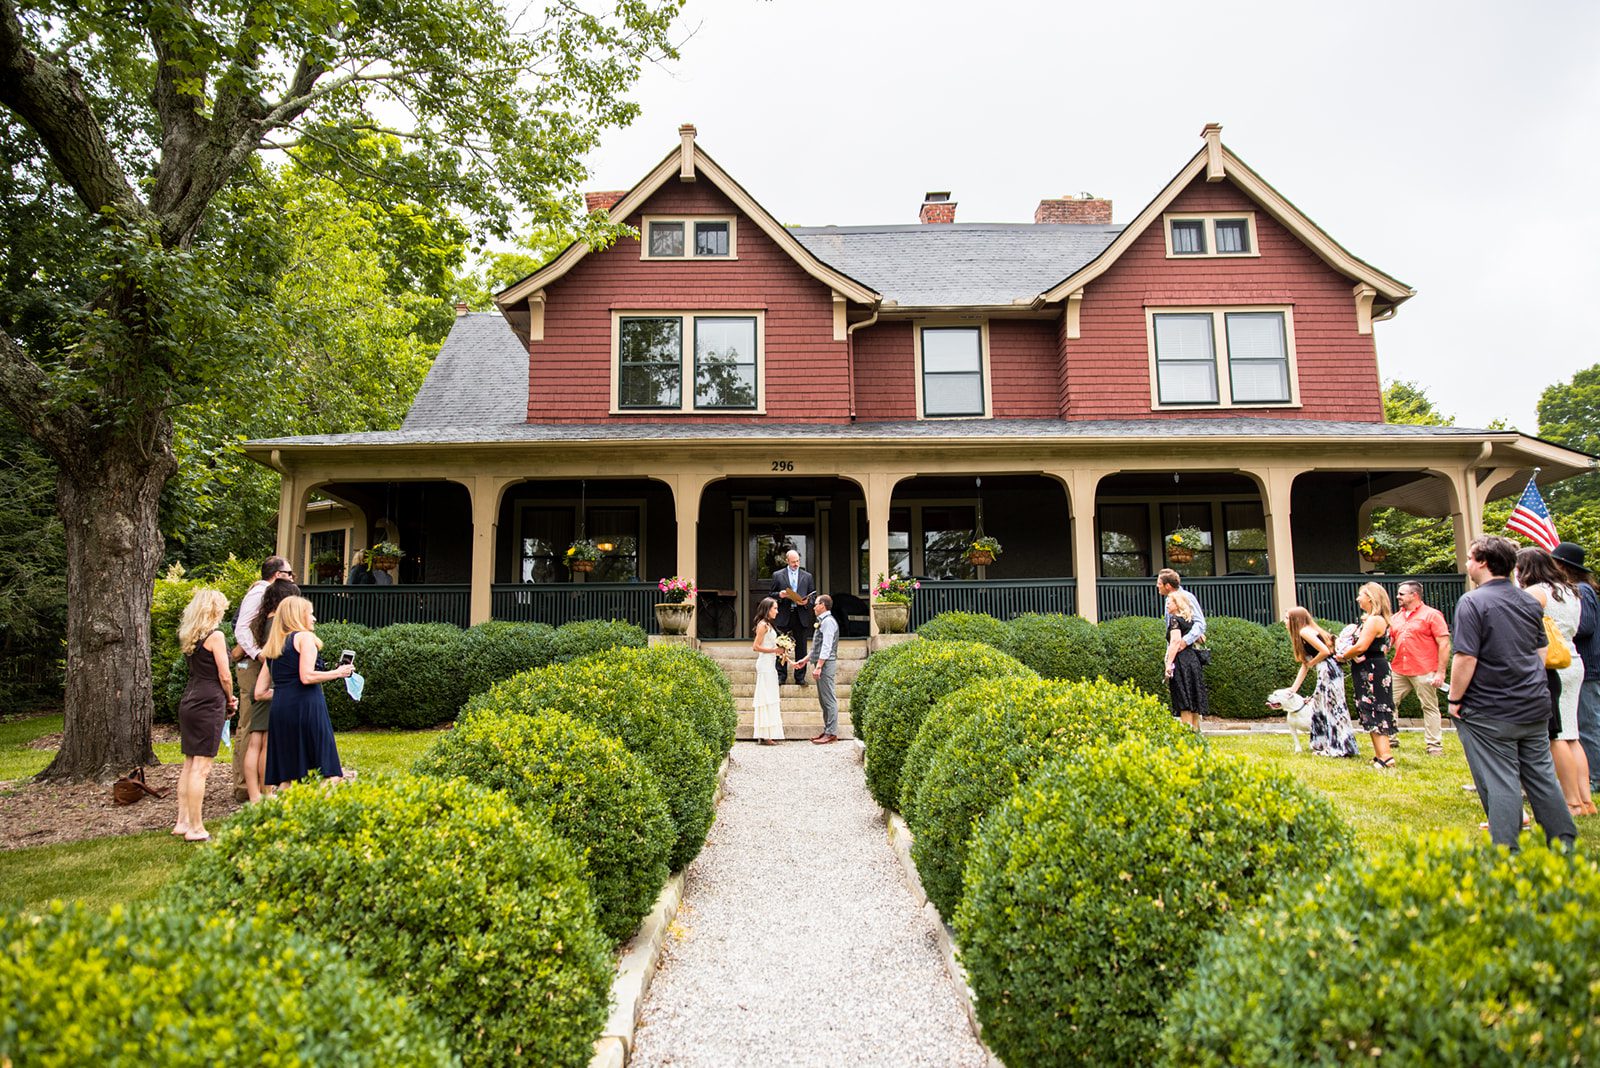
{"type": "Point", "coordinates": [380, 606]}
{"type": "Point", "coordinates": [1241, 596]}
{"type": "Point", "coordinates": [1001, 599]}
{"type": "Point", "coordinates": [556, 603]}
{"type": "Point", "coordinates": [1334, 596]}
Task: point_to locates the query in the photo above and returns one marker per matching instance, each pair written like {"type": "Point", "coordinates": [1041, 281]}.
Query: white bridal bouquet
{"type": "Point", "coordinates": [785, 645]}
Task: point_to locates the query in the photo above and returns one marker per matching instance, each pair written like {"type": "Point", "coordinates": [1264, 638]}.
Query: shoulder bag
{"type": "Point", "coordinates": [1557, 655]}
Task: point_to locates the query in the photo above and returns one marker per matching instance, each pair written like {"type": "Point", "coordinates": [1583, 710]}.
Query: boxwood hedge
{"type": "Point", "coordinates": [1090, 891]}
{"type": "Point", "coordinates": [596, 795]}
{"type": "Point", "coordinates": [697, 688]}
{"type": "Point", "coordinates": [589, 636]}
{"type": "Point", "coordinates": [866, 681]}
{"type": "Point", "coordinates": [905, 692]}
{"type": "Point", "coordinates": [337, 637]}
{"type": "Point", "coordinates": [1441, 952]}
{"type": "Point", "coordinates": [165, 986]}
{"type": "Point", "coordinates": [1009, 729]}
{"type": "Point", "coordinates": [1136, 652]}
{"type": "Point", "coordinates": [414, 676]}
{"type": "Point", "coordinates": [499, 649]}
{"type": "Point", "coordinates": [1058, 646]}
{"type": "Point", "coordinates": [448, 892]}
{"type": "Point", "coordinates": [967, 627]}
{"type": "Point", "coordinates": [637, 709]}
{"type": "Point", "coordinates": [1247, 663]}
{"type": "Point", "coordinates": [947, 712]}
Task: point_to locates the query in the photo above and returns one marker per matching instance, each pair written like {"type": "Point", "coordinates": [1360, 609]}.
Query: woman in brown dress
{"type": "Point", "coordinates": [207, 701]}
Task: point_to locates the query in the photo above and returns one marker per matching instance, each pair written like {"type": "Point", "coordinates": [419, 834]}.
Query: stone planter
{"type": "Point", "coordinates": [891, 616]}
{"type": "Point", "coordinates": [674, 618]}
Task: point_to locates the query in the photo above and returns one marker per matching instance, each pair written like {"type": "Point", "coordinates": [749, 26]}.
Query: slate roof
{"type": "Point", "coordinates": [958, 263]}
{"type": "Point", "coordinates": [479, 378]}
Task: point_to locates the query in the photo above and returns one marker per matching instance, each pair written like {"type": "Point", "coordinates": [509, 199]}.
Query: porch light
{"type": "Point", "coordinates": [780, 505]}
{"type": "Point", "coordinates": [604, 546]}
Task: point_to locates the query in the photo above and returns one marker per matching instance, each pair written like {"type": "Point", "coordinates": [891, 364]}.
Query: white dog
{"type": "Point", "coordinates": [1296, 712]}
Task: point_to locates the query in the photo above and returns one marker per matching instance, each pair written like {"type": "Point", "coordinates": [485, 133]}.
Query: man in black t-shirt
{"type": "Point", "coordinates": [1500, 701]}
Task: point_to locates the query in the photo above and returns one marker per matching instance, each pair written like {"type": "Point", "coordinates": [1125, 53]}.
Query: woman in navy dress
{"type": "Point", "coordinates": [299, 732]}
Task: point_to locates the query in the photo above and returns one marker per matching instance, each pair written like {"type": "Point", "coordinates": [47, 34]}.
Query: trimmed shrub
{"type": "Point", "coordinates": [596, 795]}
{"type": "Point", "coordinates": [697, 688]}
{"type": "Point", "coordinates": [445, 890]}
{"type": "Point", "coordinates": [1090, 891]}
{"type": "Point", "coordinates": [337, 637]}
{"type": "Point", "coordinates": [946, 714]}
{"type": "Point", "coordinates": [168, 987]}
{"type": "Point", "coordinates": [908, 689]}
{"type": "Point", "coordinates": [414, 676]}
{"type": "Point", "coordinates": [1247, 663]}
{"type": "Point", "coordinates": [1441, 952]}
{"type": "Point", "coordinates": [589, 636]}
{"type": "Point", "coordinates": [499, 649]}
{"type": "Point", "coordinates": [967, 627]}
{"type": "Point", "coordinates": [637, 709]}
{"type": "Point", "coordinates": [866, 681]}
{"type": "Point", "coordinates": [1007, 730]}
{"type": "Point", "coordinates": [1058, 646]}
{"type": "Point", "coordinates": [1136, 653]}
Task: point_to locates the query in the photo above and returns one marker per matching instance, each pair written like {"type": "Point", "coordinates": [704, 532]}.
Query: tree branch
{"type": "Point", "coordinates": [25, 393]}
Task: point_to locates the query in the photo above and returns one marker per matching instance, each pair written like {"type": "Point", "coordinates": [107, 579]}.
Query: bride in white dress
{"type": "Point", "coordinates": [769, 720]}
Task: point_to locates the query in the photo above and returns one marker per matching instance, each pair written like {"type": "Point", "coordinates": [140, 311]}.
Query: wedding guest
{"type": "Point", "coordinates": [1571, 558]}
{"type": "Point", "coordinates": [1186, 677]}
{"type": "Point", "coordinates": [300, 733]}
{"type": "Point", "coordinates": [1421, 641]}
{"type": "Point", "coordinates": [1374, 694]}
{"type": "Point", "coordinates": [255, 758]}
{"type": "Point", "coordinates": [1539, 576]}
{"type": "Point", "coordinates": [360, 574]}
{"type": "Point", "coordinates": [205, 706]}
{"type": "Point", "coordinates": [1169, 582]}
{"type": "Point", "coordinates": [1331, 732]}
{"type": "Point", "coordinates": [247, 653]}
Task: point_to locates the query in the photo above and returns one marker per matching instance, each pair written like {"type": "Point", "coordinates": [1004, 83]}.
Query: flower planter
{"type": "Point", "coordinates": [1376, 556]}
{"type": "Point", "coordinates": [1180, 556]}
{"type": "Point", "coordinates": [582, 565]}
{"type": "Point", "coordinates": [980, 558]}
{"type": "Point", "coordinates": [891, 616]}
{"type": "Point", "coordinates": [674, 618]}
{"type": "Point", "coordinates": [383, 563]}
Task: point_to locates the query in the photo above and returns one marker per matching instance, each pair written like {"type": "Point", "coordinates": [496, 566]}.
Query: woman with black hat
{"type": "Point", "coordinates": [1570, 557]}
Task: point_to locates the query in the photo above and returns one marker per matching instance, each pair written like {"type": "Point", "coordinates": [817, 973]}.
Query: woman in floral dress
{"type": "Point", "coordinates": [1370, 653]}
{"type": "Point", "coordinates": [1331, 733]}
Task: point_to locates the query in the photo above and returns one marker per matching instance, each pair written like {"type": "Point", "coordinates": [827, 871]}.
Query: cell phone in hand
{"type": "Point", "coordinates": [347, 657]}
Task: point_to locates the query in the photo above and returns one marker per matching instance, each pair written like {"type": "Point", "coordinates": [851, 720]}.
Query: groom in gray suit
{"type": "Point", "coordinates": [826, 655]}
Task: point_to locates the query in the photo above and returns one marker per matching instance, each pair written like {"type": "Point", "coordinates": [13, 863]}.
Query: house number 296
{"type": "Point", "coordinates": [783, 465]}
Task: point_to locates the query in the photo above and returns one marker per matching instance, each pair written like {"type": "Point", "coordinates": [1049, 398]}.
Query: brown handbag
{"type": "Point", "coordinates": [132, 787]}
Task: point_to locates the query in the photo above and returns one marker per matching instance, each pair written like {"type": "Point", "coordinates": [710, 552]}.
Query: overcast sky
{"type": "Point", "coordinates": [1452, 145]}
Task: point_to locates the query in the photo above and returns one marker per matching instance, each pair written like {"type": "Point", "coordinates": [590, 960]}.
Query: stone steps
{"type": "Point", "coordinates": [796, 725]}
{"type": "Point", "coordinates": [801, 711]}
{"type": "Point", "coordinates": [748, 689]}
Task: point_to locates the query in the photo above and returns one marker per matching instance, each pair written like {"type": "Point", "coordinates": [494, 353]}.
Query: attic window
{"type": "Point", "coordinates": [1211, 235]}
{"type": "Point", "coordinates": [701, 238]}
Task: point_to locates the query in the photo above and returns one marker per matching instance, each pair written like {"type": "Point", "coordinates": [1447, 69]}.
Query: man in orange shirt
{"type": "Point", "coordinates": [1419, 649]}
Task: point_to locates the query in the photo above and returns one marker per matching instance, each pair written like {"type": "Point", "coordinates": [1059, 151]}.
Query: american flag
{"type": "Point", "coordinates": [1531, 519]}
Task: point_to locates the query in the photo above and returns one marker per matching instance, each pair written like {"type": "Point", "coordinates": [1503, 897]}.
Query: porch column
{"type": "Point", "coordinates": [485, 492]}
{"type": "Point", "coordinates": [1082, 484]}
{"type": "Point", "coordinates": [878, 487]}
{"type": "Point", "coordinates": [292, 520]}
{"type": "Point", "coordinates": [1462, 508]}
{"type": "Point", "coordinates": [1277, 485]}
{"type": "Point", "coordinates": [686, 491]}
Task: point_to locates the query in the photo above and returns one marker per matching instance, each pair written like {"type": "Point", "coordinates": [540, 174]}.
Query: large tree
{"type": "Point", "coordinates": [135, 119]}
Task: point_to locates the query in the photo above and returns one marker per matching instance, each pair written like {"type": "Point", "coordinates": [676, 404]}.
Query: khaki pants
{"type": "Point", "coordinates": [248, 670]}
{"type": "Point", "coordinates": [1427, 697]}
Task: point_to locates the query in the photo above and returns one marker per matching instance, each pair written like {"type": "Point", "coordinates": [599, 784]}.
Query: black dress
{"type": "Point", "coordinates": [1188, 683]}
{"type": "Point", "coordinates": [204, 706]}
{"type": "Point", "coordinates": [1374, 689]}
{"type": "Point", "coordinates": [299, 732]}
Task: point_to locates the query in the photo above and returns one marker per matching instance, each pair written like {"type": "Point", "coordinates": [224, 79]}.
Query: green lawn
{"type": "Point", "coordinates": [17, 761]}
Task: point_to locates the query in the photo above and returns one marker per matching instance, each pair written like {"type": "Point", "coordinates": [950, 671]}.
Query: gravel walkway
{"type": "Point", "coordinates": [797, 942]}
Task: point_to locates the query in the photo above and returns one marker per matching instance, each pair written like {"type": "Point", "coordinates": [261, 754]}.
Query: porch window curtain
{"type": "Point", "coordinates": [1233, 235]}
{"type": "Point", "coordinates": [1186, 363]}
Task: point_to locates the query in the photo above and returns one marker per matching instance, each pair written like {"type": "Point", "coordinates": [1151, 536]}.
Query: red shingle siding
{"type": "Point", "coordinates": [1024, 363]}
{"type": "Point", "coordinates": [886, 384]}
{"type": "Point", "coordinates": [569, 378]}
{"type": "Point", "coordinates": [1107, 374]}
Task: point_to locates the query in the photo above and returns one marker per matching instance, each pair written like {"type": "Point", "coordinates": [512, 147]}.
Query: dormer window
{"type": "Point", "coordinates": [1211, 236]}
{"type": "Point", "coordinates": [697, 238]}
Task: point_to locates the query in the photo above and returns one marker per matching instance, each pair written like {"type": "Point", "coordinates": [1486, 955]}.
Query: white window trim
{"type": "Point", "coordinates": [982, 326]}
{"type": "Point", "coordinates": [1210, 219]}
{"type": "Point", "coordinates": [522, 506]}
{"type": "Point", "coordinates": [686, 337]}
{"type": "Point", "coordinates": [688, 238]}
{"type": "Point", "coordinates": [1219, 350]}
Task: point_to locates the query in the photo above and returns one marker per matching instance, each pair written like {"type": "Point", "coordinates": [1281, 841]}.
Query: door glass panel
{"type": "Point", "coordinates": [1124, 541]}
{"type": "Point", "coordinates": [765, 552]}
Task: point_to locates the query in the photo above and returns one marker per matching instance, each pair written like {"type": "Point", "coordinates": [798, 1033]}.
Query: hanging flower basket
{"type": "Point", "coordinates": [983, 551]}
{"type": "Point", "coordinates": [1180, 555]}
{"type": "Point", "coordinates": [581, 555]}
{"type": "Point", "coordinates": [1372, 550]}
{"type": "Point", "coordinates": [383, 556]}
{"type": "Point", "coordinates": [1183, 543]}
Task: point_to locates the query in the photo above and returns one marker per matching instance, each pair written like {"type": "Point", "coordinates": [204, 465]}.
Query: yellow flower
{"type": "Point", "coordinates": [1177, 539]}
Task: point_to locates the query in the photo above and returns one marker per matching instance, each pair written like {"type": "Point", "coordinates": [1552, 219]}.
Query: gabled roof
{"type": "Point", "coordinates": [958, 264]}
{"type": "Point", "coordinates": [1217, 163]}
{"type": "Point", "coordinates": [479, 378]}
{"type": "Point", "coordinates": [690, 162]}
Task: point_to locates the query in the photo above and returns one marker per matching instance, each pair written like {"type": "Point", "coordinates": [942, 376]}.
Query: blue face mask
{"type": "Point", "coordinates": [353, 685]}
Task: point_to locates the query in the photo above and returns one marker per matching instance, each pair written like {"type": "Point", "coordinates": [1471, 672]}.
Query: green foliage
{"type": "Point", "coordinates": [908, 689]}
{"type": "Point", "coordinates": [696, 688]}
{"type": "Point", "coordinates": [169, 987]}
{"type": "Point", "coordinates": [1090, 891]}
{"type": "Point", "coordinates": [498, 650]}
{"type": "Point", "coordinates": [866, 683]}
{"type": "Point", "coordinates": [595, 794]}
{"type": "Point", "coordinates": [1136, 652]}
{"type": "Point", "coordinates": [414, 676]}
{"type": "Point", "coordinates": [586, 637]}
{"type": "Point", "coordinates": [1058, 646]}
{"type": "Point", "coordinates": [173, 592]}
{"type": "Point", "coordinates": [1005, 731]}
{"type": "Point", "coordinates": [967, 627]}
{"type": "Point", "coordinates": [1441, 952]}
{"type": "Point", "coordinates": [33, 571]}
{"type": "Point", "coordinates": [1247, 663]}
{"type": "Point", "coordinates": [445, 890]}
{"type": "Point", "coordinates": [336, 638]}
{"type": "Point", "coordinates": [637, 709]}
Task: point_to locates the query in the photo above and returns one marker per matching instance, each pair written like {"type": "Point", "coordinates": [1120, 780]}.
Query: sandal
{"type": "Point", "coordinates": [1383, 765]}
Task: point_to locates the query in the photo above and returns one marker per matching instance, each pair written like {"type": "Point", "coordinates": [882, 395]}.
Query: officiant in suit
{"type": "Point", "coordinates": [793, 619]}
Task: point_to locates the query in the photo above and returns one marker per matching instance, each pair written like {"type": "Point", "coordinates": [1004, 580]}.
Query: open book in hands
{"type": "Point", "coordinates": [791, 595]}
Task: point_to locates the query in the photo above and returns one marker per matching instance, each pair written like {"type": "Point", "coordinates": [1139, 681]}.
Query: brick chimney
{"type": "Point", "coordinates": [937, 208]}
{"type": "Point", "coordinates": [462, 307]}
{"type": "Point", "coordinates": [1083, 208]}
{"type": "Point", "coordinates": [603, 201]}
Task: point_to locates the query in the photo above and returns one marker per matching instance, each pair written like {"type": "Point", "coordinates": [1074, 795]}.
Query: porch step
{"type": "Point", "coordinates": [796, 725]}
{"type": "Point", "coordinates": [735, 649]}
{"type": "Point", "coordinates": [744, 705]}
{"type": "Point", "coordinates": [744, 674]}
{"type": "Point", "coordinates": [748, 690]}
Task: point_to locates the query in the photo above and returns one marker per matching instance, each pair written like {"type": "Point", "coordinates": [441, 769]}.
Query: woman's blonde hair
{"type": "Point", "coordinates": [293, 616]}
{"type": "Point", "coordinates": [1178, 605]}
{"type": "Point", "coordinates": [1378, 597]}
{"type": "Point", "coordinates": [200, 618]}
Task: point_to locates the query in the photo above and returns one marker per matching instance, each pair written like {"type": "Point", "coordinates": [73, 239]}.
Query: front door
{"type": "Point", "coordinates": [767, 543]}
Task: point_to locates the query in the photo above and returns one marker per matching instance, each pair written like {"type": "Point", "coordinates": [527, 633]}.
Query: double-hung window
{"type": "Point", "coordinates": [1222, 357]}
{"type": "Point", "coordinates": [687, 361]}
{"type": "Point", "coordinates": [1211, 235]}
{"type": "Point", "coordinates": [952, 377]}
{"type": "Point", "coordinates": [701, 238]}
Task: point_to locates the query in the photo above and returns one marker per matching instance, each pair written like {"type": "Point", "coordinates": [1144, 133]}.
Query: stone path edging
{"type": "Point", "coordinates": [637, 965]}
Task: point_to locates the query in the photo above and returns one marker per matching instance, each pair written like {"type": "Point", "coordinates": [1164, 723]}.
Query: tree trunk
{"type": "Point", "coordinates": [110, 509]}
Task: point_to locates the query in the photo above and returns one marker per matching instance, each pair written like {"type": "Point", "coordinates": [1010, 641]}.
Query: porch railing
{"type": "Point", "coordinates": [1001, 599]}
{"type": "Point", "coordinates": [556, 603]}
{"type": "Point", "coordinates": [1241, 596]}
{"type": "Point", "coordinates": [1334, 596]}
{"type": "Point", "coordinates": [380, 606]}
